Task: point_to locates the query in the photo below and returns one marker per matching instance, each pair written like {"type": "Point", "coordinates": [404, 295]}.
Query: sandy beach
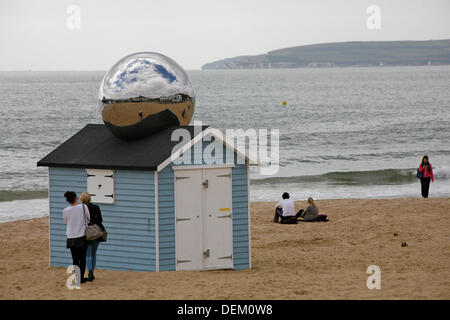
{"type": "Point", "coordinates": [303, 261]}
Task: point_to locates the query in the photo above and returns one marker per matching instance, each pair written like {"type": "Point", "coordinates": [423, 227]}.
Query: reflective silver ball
{"type": "Point", "coordinates": [144, 93]}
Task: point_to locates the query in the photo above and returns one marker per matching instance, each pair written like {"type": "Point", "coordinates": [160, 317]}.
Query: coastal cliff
{"type": "Point", "coordinates": [344, 54]}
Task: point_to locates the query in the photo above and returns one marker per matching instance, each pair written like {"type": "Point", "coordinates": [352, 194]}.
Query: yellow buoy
{"type": "Point", "coordinates": [284, 103]}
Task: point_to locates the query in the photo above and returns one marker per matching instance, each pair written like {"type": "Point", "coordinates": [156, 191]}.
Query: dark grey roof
{"type": "Point", "coordinates": [95, 146]}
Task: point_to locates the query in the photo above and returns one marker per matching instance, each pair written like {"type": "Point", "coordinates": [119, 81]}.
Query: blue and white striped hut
{"type": "Point", "coordinates": [163, 210]}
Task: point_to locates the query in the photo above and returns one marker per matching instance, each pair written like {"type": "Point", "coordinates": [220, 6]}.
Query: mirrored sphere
{"type": "Point", "coordinates": [144, 93]}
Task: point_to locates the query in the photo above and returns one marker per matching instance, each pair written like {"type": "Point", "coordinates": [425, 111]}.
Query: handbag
{"type": "Point", "coordinates": [419, 174]}
{"type": "Point", "coordinates": [104, 237]}
{"type": "Point", "coordinates": [93, 231]}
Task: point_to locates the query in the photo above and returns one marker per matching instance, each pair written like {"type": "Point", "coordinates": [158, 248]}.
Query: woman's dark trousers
{"type": "Point", "coordinates": [425, 182]}
{"type": "Point", "coordinates": [79, 258]}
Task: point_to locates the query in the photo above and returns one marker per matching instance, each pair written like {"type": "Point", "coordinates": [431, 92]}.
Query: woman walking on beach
{"type": "Point", "coordinates": [95, 218]}
{"type": "Point", "coordinates": [312, 212]}
{"type": "Point", "coordinates": [76, 217]}
{"type": "Point", "coordinates": [425, 173]}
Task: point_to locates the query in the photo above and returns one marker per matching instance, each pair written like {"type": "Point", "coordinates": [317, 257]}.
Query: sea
{"type": "Point", "coordinates": [343, 132]}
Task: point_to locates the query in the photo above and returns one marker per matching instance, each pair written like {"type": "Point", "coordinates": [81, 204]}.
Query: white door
{"type": "Point", "coordinates": [188, 220]}
{"type": "Point", "coordinates": [203, 229]}
{"type": "Point", "coordinates": [218, 214]}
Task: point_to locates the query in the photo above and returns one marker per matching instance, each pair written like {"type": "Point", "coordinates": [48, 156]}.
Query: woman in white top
{"type": "Point", "coordinates": [285, 210]}
{"type": "Point", "coordinates": [76, 216]}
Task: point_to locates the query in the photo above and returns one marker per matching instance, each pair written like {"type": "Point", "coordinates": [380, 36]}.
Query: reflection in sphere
{"type": "Point", "coordinates": [144, 93]}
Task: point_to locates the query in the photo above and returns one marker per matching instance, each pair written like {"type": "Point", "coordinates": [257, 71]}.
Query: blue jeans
{"type": "Point", "coordinates": [91, 255]}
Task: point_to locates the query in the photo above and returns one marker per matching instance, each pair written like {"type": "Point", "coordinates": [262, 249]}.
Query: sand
{"type": "Point", "coordinates": [304, 261]}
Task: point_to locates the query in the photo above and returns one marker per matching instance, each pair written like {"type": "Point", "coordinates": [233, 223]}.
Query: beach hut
{"type": "Point", "coordinates": [161, 211]}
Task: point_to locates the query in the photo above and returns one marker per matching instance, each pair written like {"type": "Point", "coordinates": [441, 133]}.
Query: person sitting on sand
{"type": "Point", "coordinates": [311, 214]}
{"type": "Point", "coordinates": [285, 211]}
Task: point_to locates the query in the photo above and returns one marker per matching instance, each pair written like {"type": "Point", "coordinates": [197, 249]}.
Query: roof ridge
{"type": "Point", "coordinates": [94, 125]}
{"type": "Point", "coordinates": [95, 146]}
{"type": "Point", "coordinates": [173, 126]}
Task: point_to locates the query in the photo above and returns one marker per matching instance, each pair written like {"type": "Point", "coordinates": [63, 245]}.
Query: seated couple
{"type": "Point", "coordinates": [285, 211]}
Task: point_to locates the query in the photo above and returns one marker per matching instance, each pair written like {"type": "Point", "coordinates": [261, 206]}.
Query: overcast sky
{"type": "Point", "coordinates": [34, 35]}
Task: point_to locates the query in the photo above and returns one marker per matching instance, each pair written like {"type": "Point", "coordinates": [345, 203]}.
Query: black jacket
{"type": "Point", "coordinates": [95, 215]}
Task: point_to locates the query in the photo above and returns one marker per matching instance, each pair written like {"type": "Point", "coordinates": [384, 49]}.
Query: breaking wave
{"type": "Point", "coordinates": [358, 178]}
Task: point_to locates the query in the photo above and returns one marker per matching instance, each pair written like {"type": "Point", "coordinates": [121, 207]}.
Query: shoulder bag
{"type": "Point", "coordinates": [93, 231]}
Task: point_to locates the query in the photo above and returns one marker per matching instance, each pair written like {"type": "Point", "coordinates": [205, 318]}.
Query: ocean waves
{"type": "Point", "coordinates": [355, 178]}
{"type": "Point", "coordinates": [11, 195]}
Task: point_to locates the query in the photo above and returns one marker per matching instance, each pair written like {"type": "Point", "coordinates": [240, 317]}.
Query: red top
{"type": "Point", "coordinates": [427, 171]}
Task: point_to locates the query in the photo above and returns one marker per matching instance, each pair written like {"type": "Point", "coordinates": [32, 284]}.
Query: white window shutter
{"type": "Point", "coordinates": [100, 185]}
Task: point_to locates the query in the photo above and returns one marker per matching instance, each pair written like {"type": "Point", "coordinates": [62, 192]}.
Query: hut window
{"type": "Point", "coordinates": [100, 185]}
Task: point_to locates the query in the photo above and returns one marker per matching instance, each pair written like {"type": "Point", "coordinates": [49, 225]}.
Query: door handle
{"type": "Point", "coordinates": [206, 254]}
{"type": "Point", "coordinates": [224, 175]}
{"type": "Point", "coordinates": [183, 261]}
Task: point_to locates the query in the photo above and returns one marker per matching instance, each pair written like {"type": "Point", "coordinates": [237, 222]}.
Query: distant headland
{"type": "Point", "coordinates": [345, 54]}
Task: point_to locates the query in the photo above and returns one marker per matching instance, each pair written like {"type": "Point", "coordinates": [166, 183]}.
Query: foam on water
{"type": "Point", "coordinates": [23, 209]}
